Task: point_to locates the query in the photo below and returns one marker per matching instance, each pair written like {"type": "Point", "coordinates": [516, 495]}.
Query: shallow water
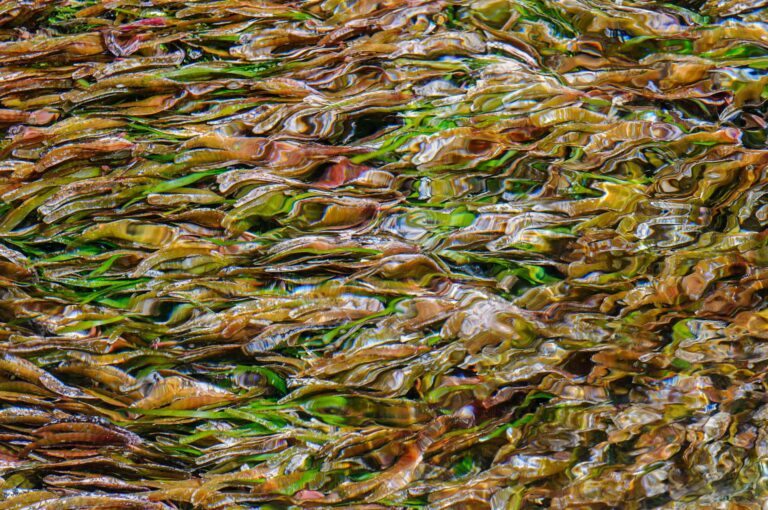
{"type": "Point", "coordinates": [489, 254]}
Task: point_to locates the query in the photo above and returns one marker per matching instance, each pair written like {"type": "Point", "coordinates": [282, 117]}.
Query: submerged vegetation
{"type": "Point", "coordinates": [481, 254]}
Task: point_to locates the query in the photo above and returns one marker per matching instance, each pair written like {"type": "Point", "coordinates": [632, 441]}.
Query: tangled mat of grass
{"type": "Point", "coordinates": [450, 254]}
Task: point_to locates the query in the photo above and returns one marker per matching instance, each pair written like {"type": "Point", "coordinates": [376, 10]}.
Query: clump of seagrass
{"type": "Point", "coordinates": [485, 254]}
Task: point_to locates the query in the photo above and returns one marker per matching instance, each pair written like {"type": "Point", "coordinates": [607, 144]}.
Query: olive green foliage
{"type": "Point", "coordinates": [480, 254]}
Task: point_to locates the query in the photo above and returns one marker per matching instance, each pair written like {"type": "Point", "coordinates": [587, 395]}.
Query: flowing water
{"type": "Point", "coordinates": [479, 254]}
